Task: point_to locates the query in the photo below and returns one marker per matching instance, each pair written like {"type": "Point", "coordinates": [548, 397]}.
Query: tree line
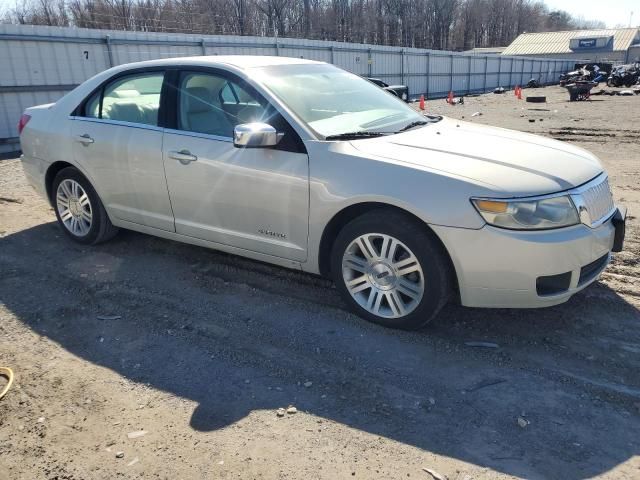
{"type": "Point", "coordinates": [436, 24]}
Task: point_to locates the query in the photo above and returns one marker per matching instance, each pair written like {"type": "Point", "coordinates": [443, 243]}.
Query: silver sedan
{"type": "Point", "coordinates": [301, 164]}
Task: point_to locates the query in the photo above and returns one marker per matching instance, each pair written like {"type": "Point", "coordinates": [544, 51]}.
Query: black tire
{"type": "Point", "coordinates": [101, 229]}
{"type": "Point", "coordinates": [423, 244]}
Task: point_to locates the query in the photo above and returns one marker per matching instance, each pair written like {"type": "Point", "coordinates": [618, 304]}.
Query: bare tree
{"type": "Point", "coordinates": [438, 24]}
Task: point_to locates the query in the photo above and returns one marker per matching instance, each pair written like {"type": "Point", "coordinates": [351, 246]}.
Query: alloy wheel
{"type": "Point", "coordinates": [383, 275]}
{"type": "Point", "coordinates": [74, 207]}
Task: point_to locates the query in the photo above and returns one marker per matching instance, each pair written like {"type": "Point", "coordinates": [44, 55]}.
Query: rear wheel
{"type": "Point", "coordinates": [78, 208]}
{"type": "Point", "coordinates": [391, 270]}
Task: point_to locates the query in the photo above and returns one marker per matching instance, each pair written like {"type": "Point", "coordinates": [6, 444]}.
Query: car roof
{"type": "Point", "coordinates": [238, 61]}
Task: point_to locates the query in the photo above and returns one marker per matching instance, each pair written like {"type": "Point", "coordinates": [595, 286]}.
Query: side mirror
{"type": "Point", "coordinates": [255, 135]}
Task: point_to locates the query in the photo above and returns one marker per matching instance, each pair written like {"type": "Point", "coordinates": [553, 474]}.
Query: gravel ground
{"type": "Point", "coordinates": [200, 349]}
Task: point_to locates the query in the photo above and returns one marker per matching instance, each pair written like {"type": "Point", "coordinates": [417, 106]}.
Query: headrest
{"type": "Point", "coordinates": [125, 93]}
{"type": "Point", "coordinates": [198, 100]}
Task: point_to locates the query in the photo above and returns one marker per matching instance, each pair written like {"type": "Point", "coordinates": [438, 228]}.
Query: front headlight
{"type": "Point", "coordinates": [544, 213]}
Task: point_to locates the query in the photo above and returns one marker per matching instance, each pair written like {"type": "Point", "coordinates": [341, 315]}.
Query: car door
{"type": "Point", "coordinates": [256, 199]}
{"type": "Point", "coordinates": [117, 140]}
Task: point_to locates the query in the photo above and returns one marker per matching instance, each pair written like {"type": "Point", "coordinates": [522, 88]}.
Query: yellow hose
{"type": "Point", "coordinates": [6, 372]}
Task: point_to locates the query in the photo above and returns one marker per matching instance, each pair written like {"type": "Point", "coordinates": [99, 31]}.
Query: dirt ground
{"type": "Point", "coordinates": [199, 349]}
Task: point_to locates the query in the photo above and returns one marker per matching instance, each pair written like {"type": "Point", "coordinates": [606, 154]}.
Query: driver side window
{"type": "Point", "coordinates": [211, 104]}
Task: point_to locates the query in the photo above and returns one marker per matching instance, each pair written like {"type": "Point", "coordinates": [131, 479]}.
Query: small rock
{"type": "Point", "coordinates": [280, 412]}
{"type": "Point", "coordinates": [119, 454]}
{"type": "Point", "coordinates": [247, 381]}
{"type": "Point", "coordinates": [308, 384]}
{"type": "Point", "coordinates": [136, 434]}
{"type": "Point", "coordinates": [109, 317]}
{"type": "Point", "coordinates": [41, 420]}
{"type": "Point", "coordinates": [434, 474]}
{"type": "Point", "coordinates": [523, 422]}
{"type": "Point", "coordinates": [477, 114]}
{"type": "Point", "coordinates": [291, 410]}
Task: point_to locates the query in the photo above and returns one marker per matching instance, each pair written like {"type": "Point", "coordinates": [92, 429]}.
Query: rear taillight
{"type": "Point", "coordinates": [24, 119]}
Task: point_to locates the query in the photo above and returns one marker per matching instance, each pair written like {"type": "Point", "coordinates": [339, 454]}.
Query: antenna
{"type": "Point", "coordinates": [631, 19]}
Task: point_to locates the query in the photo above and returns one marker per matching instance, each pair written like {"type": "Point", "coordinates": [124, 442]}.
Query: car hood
{"type": "Point", "coordinates": [508, 162]}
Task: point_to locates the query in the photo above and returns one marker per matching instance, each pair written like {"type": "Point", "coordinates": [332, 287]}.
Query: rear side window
{"type": "Point", "coordinates": [92, 107]}
{"type": "Point", "coordinates": [133, 98]}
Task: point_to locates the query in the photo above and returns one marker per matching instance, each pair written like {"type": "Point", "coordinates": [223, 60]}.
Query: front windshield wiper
{"type": "Point", "coordinates": [355, 135]}
{"type": "Point", "coordinates": [417, 123]}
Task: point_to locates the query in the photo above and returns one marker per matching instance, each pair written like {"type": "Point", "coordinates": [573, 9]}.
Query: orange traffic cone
{"type": "Point", "coordinates": [450, 98]}
{"type": "Point", "coordinates": [515, 90]}
{"type": "Point", "coordinates": [519, 93]}
{"type": "Point", "coordinates": [421, 102]}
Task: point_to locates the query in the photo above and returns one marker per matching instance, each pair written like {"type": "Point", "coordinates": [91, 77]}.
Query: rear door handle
{"type": "Point", "coordinates": [84, 139]}
{"type": "Point", "coordinates": [183, 156]}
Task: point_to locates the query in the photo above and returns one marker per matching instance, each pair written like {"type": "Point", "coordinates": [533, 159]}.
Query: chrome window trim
{"type": "Point", "coordinates": [153, 127]}
{"type": "Point", "coordinates": [120, 123]}
{"type": "Point", "coordinates": [207, 136]}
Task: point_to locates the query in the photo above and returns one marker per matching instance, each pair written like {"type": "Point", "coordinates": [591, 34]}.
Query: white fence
{"type": "Point", "coordinates": [38, 64]}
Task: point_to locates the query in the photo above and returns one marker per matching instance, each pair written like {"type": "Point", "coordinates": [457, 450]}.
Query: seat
{"type": "Point", "coordinates": [125, 112]}
{"type": "Point", "coordinates": [199, 112]}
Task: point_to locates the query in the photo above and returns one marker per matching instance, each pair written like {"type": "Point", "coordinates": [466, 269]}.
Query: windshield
{"type": "Point", "coordinates": [333, 102]}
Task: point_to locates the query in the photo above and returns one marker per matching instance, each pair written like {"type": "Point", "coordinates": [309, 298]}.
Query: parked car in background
{"type": "Point", "coordinates": [400, 91]}
{"type": "Point", "coordinates": [304, 165]}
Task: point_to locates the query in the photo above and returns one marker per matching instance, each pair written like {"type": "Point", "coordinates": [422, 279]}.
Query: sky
{"type": "Point", "coordinates": [612, 12]}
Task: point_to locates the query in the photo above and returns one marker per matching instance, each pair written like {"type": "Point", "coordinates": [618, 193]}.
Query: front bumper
{"type": "Point", "coordinates": [499, 268]}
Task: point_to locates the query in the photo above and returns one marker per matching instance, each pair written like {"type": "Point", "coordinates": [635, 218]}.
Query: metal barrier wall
{"type": "Point", "coordinates": [38, 64]}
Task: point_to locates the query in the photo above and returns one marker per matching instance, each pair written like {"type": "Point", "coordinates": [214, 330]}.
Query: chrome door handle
{"type": "Point", "coordinates": [84, 139]}
{"type": "Point", "coordinates": [183, 156]}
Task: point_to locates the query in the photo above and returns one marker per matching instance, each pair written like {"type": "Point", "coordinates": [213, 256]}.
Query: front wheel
{"type": "Point", "coordinates": [391, 270]}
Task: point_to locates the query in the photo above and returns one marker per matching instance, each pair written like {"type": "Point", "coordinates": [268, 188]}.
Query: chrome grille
{"type": "Point", "coordinates": [598, 201]}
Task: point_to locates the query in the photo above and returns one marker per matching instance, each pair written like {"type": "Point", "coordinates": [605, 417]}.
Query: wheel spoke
{"type": "Point", "coordinates": [358, 284]}
{"type": "Point", "coordinates": [389, 247]}
{"type": "Point", "coordinates": [355, 263]}
{"type": "Point", "coordinates": [84, 226]}
{"type": "Point", "coordinates": [409, 289]}
{"type": "Point", "coordinates": [65, 189]}
{"type": "Point", "coordinates": [86, 216]}
{"type": "Point", "coordinates": [406, 266]}
{"type": "Point", "coordinates": [62, 200]}
{"type": "Point", "coordinates": [66, 215]}
{"type": "Point", "coordinates": [367, 248]}
{"type": "Point", "coordinates": [84, 200]}
{"type": "Point", "coordinates": [373, 302]}
{"type": "Point", "coordinates": [395, 303]}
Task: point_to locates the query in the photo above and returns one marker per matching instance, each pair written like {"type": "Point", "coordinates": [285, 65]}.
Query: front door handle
{"type": "Point", "coordinates": [183, 156]}
{"type": "Point", "coordinates": [84, 139]}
